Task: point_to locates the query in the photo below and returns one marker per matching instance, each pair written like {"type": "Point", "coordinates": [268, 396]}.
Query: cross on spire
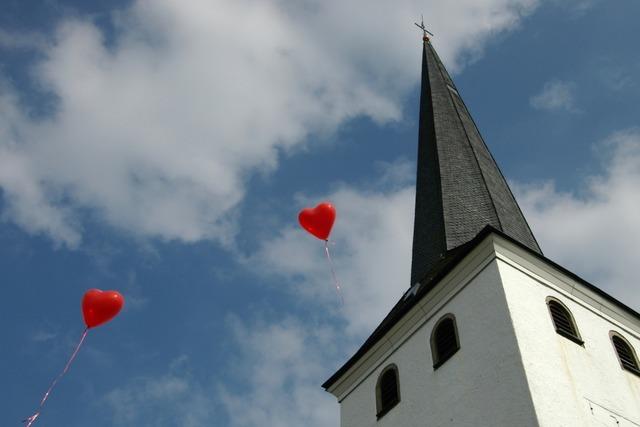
{"type": "Point", "coordinates": [425, 33]}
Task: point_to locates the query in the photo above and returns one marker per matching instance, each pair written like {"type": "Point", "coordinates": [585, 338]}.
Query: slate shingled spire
{"type": "Point", "coordinates": [459, 188]}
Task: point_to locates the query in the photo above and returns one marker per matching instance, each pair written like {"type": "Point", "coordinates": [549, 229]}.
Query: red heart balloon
{"type": "Point", "coordinates": [99, 307]}
{"type": "Point", "coordinates": [319, 220]}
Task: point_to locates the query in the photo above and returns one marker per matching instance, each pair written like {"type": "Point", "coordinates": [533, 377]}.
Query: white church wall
{"type": "Point", "coordinates": [483, 384]}
{"type": "Point", "coordinates": [571, 385]}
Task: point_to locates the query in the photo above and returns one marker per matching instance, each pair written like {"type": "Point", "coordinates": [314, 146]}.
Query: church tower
{"type": "Point", "coordinates": [490, 333]}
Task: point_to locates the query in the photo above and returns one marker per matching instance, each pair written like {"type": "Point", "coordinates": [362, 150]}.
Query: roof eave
{"type": "Point", "coordinates": [433, 278]}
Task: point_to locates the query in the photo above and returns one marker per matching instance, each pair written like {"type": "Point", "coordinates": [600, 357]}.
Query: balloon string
{"type": "Point", "coordinates": [333, 271]}
{"type": "Point", "coordinates": [32, 419]}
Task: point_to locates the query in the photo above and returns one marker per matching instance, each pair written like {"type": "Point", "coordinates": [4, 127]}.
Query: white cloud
{"type": "Point", "coordinates": [276, 371]}
{"type": "Point", "coordinates": [21, 40]}
{"type": "Point", "coordinates": [43, 336]}
{"type": "Point", "coordinates": [172, 399]}
{"type": "Point", "coordinates": [281, 364]}
{"type": "Point", "coordinates": [616, 78]}
{"type": "Point", "coordinates": [27, 204]}
{"type": "Point", "coordinates": [371, 253]}
{"type": "Point", "coordinates": [555, 95]}
{"type": "Point", "coordinates": [595, 232]}
{"type": "Point", "coordinates": [156, 132]}
{"type": "Point", "coordinates": [578, 7]}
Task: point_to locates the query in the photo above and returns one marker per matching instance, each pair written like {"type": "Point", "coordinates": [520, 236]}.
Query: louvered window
{"type": "Point", "coordinates": [626, 354]}
{"type": "Point", "coordinates": [563, 322]}
{"type": "Point", "coordinates": [444, 341]}
{"type": "Point", "coordinates": [387, 391]}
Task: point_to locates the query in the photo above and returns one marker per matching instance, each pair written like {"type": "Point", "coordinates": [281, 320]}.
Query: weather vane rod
{"type": "Point", "coordinates": [425, 33]}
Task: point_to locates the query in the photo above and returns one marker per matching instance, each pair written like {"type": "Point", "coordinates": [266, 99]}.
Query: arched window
{"type": "Point", "coordinates": [387, 390]}
{"type": "Point", "coordinates": [444, 340]}
{"type": "Point", "coordinates": [563, 321]}
{"type": "Point", "coordinates": [626, 355]}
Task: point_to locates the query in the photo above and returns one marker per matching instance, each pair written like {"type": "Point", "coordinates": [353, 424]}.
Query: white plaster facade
{"type": "Point", "coordinates": [512, 368]}
{"type": "Point", "coordinates": [571, 385]}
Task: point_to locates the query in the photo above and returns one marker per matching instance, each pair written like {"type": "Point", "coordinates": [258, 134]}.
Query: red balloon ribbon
{"type": "Point", "coordinates": [32, 419]}
{"type": "Point", "coordinates": [98, 307]}
{"type": "Point", "coordinates": [333, 271]}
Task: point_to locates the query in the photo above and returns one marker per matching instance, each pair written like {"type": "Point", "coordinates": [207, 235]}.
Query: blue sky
{"type": "Point", "coordinates": [164, 149]}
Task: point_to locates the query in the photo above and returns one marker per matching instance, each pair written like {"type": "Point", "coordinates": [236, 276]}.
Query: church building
{"type": "Point", "coordinates": [490, 333]}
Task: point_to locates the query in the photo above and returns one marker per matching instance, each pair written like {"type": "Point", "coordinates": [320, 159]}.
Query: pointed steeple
{"type": "Point", "coordinates": [459, 189]}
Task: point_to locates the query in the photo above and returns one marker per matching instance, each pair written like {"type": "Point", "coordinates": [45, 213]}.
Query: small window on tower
{"type": "Point", "coordinates": [444, 340]}
{"type": "Point", "coordinates": [563, 321]}
{"type": "Point", "coordinates": [626, 355]}
{"type": "Point", "coordinates": [387, 390]}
